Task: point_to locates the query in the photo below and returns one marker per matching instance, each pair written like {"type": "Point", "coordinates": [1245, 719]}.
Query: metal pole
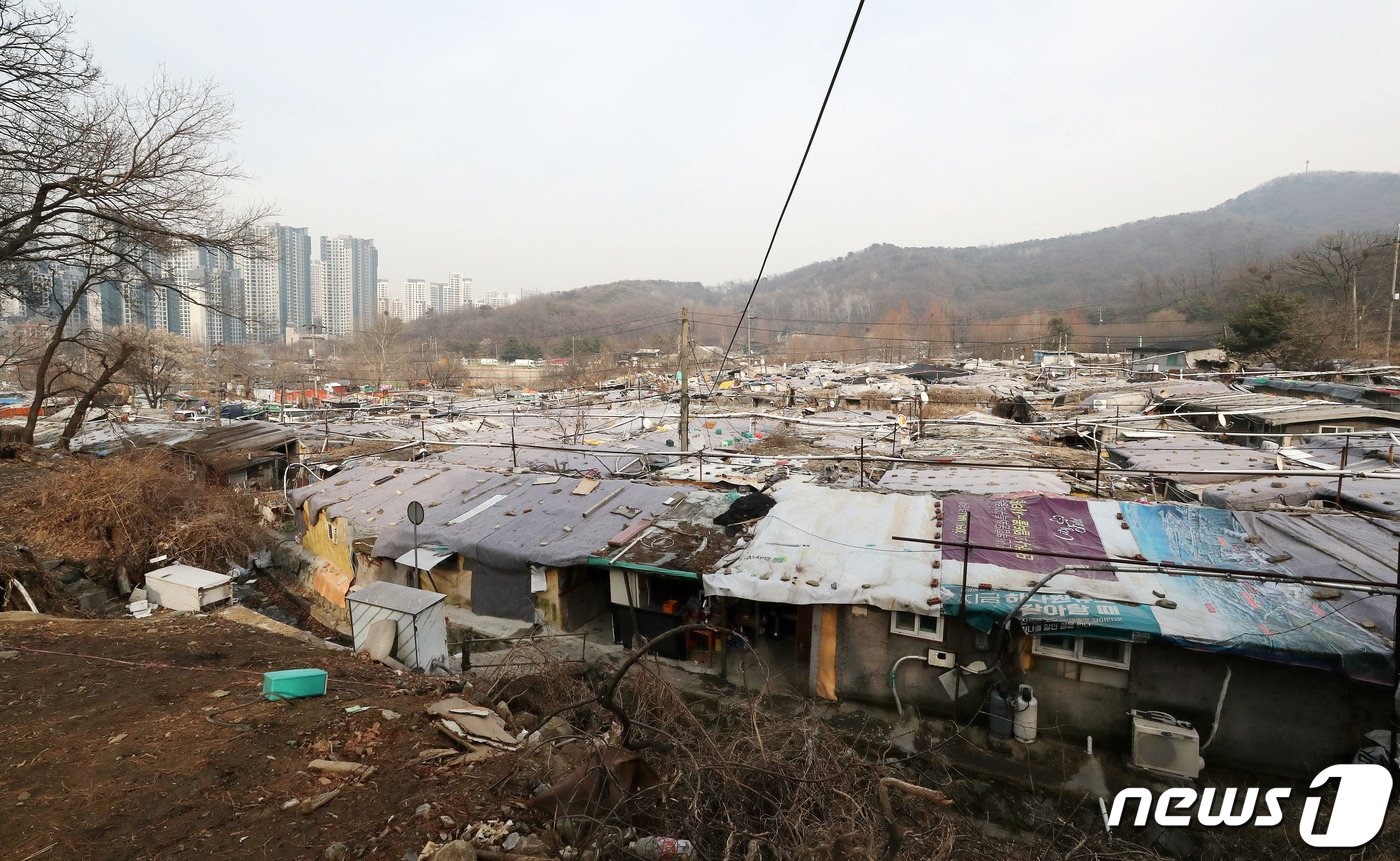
{"type": "Point", "coordinates": [962, 604]}
{"type": "Point", "coordinates": [862, 461]}
{"type": "Point", "coordinates": [1395, 660]}
{"type": "Point", "coordinates": [417, 572]}
{"type": "Point", "coordinates": [1098, 462]}
{"type": "Point", "coordinates": [1346, 450]}
{"type": "Point", "coordinates": [218, 387]}
{"type": "Point", "coordinates": [513, 461]}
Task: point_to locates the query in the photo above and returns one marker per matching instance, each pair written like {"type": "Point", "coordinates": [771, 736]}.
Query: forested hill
{"type": "Point", "coordinates": [1124, 265]}
{"type": "Point", "coordinates": [1132, 269]}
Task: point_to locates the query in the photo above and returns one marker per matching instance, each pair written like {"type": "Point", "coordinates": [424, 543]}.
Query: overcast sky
{"type": "Point", "coordinates": [554, 145]}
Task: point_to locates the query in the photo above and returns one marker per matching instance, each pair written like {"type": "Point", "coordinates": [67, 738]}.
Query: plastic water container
{"type": "Point", "coordinates": [290, 684]}
{"type": "Point", "coordinates": [1027, 709]}
{"type": "Point", "coordinates": [1001, 712]}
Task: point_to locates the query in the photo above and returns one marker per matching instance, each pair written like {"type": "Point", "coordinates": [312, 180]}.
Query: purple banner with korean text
{"type": "Point", "coordinates": [1022, 525]}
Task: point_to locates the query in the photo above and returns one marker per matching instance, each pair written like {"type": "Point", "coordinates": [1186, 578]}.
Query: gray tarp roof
{"type": "Point", "coordinates": [1381, 495]}
{"type": "Point", "coordinates": [973, 479]}
{"type": "Point", "coordinates": [1336, 545]}
{"type": "Point", "coordinates": [1190, 455]}
{"type": "Point", "coordinates": [519, 519]}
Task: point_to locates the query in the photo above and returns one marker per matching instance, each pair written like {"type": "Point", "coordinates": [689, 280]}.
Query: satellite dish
{"type": "Point", "coordinates": [415, 512]}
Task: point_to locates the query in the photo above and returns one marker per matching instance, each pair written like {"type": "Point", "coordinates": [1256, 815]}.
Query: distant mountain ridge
{"type": "Point", "coordinates": [1122, 268]}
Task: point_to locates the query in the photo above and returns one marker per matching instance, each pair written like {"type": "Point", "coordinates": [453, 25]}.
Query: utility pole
{"type": "Point", "coordinates": [683, 346]}
{"type": "Point", "coordinates": [1356, 314]}
{"type": "Point", "coordinates": [1390, 318]}
{"type": "Point", "coordinates": [218, 385]}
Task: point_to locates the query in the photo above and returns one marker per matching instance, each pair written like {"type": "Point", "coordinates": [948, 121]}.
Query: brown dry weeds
{"type": "Point", "coordinates": [119, 512]}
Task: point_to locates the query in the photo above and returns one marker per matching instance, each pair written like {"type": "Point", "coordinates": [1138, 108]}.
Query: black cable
{"type": "Point", "coordinates": [791, 190]}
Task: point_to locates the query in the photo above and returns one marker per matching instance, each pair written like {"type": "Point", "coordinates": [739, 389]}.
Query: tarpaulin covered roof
{"type": "Point", "coordinates": [820, 545]}
{"type": "Point", "coordinates": [508, 521]}
{"type": "Point", "coordinates": [1193, 456]}
{"type": "Point", "coordinates": [972, 479]}
{"type": "Point", "coordinates": [1278, 411]}
{"type": "Point", "coordinates": [1281, 621]}
{"type": "Point", "coordinates": [1371, 493]}
{"type": "Point", "coordinates": [826, 546]}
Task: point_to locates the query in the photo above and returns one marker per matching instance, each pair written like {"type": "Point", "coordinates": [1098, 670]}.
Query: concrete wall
{"type": "Point", "coordinates": [1276, 718]}
{"type": "Point", "coordinates": [866, 649]}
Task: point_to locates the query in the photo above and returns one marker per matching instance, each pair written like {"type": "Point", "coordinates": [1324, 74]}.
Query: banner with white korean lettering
{"type": "Point", "coordinates": [1022, 525]}
{"type": "Point", "coordinates": [1048, 613]}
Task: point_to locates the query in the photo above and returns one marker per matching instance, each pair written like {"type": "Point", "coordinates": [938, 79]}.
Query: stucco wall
{"type": "Point", "coordinates": [317, 539]}
{"type": "Point", "coordinates": [866, 649]}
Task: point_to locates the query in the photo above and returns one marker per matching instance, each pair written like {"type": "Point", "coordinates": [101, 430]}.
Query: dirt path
{"type": "Point", "coordinates": [100, 759]}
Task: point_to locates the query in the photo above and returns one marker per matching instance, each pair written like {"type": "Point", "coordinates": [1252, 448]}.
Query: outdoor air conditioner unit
{"type": "Point", "coordinates": [1163, 744]}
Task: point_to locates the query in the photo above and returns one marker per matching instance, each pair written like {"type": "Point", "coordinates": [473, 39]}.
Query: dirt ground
{"type": "Point", "coordinates": [107, 752]}
{"type": "Point", "coordinates": [136, 739]}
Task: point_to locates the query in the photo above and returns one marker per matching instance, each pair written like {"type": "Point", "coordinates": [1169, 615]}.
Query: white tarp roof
{"type": "Point", "coordinates": [821, 545]}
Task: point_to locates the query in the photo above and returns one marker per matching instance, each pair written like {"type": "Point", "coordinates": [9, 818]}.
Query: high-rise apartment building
{"type": "Point", "coordinates": [205, 299]}
{"type": "Point", "coordinates": [277, 283]}
{"type": "Point", "coordinates": [318, 297]}
{"type": "Point", "coordinates": [350, 267]}
{"type": "Point", "coordinates": [190, 293]}
{"type": "Point", "coordinates": [416, 298]}
{"type": "Point", "coordinates": [458, 293]}
{"type": "Point", "coordinates": [495, 299]}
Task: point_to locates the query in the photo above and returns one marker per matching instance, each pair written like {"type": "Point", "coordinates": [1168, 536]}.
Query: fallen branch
{"type": "Point", "coordinates": [891, 826]}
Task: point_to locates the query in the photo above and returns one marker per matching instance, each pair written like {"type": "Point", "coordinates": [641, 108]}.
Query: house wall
{"type": "Point", "coordinates": [317, 539]}
{"type": "Point", "coordinates": [1276, 718]}
{"type": "Point", "coordinates": [452, 578]}
{"type": "Point", "coordinates": [866, 649]}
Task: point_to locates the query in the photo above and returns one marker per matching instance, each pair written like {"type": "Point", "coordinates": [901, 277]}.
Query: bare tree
{"type": "Point", "coordinates": [377, 350]}
{"type": "Point", "coordinates": [100, 183]}
{"type": "Point", "coordinates": [1330, 270]}
{"type": "Point", "coordinates": [161, 361]}
{"type": "Point", "coordinates": [104, 357]}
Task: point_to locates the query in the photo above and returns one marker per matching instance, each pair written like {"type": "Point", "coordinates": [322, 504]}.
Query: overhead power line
{"type": "Point", "coordinates": [791, 190]}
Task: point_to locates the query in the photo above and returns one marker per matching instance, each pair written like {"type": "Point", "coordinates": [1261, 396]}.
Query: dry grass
{"type": "Point", "coordinates": [117, 513]}
{"type": "Point", "coordinates": [741, 777]}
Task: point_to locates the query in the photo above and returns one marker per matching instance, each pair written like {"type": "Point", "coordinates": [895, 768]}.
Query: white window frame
{"type": "Point", "coordinates": [920, 620]}
{"type": "Point", "coordinates": [1077, 655]}
{"type": "Point", "coordinates": [1336, 429]}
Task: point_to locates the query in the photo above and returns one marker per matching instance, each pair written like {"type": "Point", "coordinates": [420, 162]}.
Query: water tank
{"type": "Point", "coordinates": [1001, 722]}
{"type": "Point", "coordinates": [1027, 710]}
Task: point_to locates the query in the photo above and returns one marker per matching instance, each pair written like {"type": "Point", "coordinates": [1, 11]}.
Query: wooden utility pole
{"type": "Point", "coordinates": [683, 347]}
{"type": "Point", "coordinates": [1390, 318]}
{"type": "Point", "coordinates": [218, 386]}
